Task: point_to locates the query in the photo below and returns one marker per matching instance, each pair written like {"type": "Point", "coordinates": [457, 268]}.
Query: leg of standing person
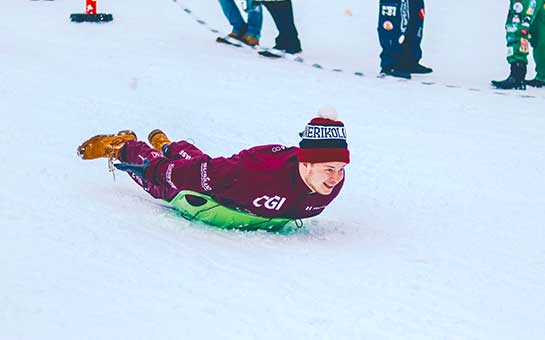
{"type": "Point", "coordinates": [392, 26]}
{"type": "Point", "coordinates": [412, 51]}
{"type": "Point", "coordinates": [282, 14]}
{"type": "Point", "coordinates": [255, 20]}
{"type": "Point", "coordinates": [538, 42]}
{"type": "Point", "coordinates": [232, 13]}
{"type": "Point", "coordinates": [517, 25]}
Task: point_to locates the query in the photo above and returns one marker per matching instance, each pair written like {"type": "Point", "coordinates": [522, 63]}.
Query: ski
{"type": "Point", "coordinates": [272, 53]}
{"type": "Point", "coordinates": [277, 54]}
{"type": "Point", "coordinates": [401, 77]}
{"type": "Point", "coordinates": [268, 54]}
{"type": "Point", "coordinates": [229, 41]}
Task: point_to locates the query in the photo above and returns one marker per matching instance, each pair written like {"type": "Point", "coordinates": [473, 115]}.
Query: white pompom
{"type": "Point", "coordinates": [328, 112]}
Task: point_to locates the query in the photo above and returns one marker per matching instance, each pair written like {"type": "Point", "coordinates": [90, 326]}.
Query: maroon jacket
{"type": "Point", "coordinates": [263, 180]}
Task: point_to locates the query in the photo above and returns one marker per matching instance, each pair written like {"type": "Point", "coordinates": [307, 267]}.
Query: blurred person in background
{"type": "Point", "coordinates": [282, 14]}
{"type": "Point", "coordinates": [525, 25]}
{"type": "Point", "coordinates": [400, 29]}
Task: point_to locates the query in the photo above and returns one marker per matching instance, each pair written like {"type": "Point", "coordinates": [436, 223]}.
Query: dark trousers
{"type": "Point", "coordinates": [282, 14]}
{"type": "Point", "coordinates": [400, 28]}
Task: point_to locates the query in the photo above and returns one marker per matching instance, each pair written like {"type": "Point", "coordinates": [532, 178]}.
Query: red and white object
{"type": "Point", "coordinates": [90, 6]}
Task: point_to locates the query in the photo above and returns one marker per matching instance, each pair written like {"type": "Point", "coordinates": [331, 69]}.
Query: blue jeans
{"type": "Point", "coordinates": [255, 18]}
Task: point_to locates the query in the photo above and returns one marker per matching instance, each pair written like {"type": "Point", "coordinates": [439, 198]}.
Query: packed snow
{"type": "Point", "coordinates": [438, 233]}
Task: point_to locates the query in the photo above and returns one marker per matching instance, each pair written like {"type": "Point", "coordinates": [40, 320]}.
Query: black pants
{"type": "Point", "coordinates": [400, 28]}
{"type": "Point", "coordinates": [282, 14]}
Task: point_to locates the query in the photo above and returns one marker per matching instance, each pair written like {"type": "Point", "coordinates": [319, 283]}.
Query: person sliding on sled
{"type": "Point", "coordinates": [525, 25]}
{"type": "Point", "coordinates": [263, 187]}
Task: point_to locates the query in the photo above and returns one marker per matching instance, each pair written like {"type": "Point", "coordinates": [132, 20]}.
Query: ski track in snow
{"type": "Point", "coordinates": [438, 233]}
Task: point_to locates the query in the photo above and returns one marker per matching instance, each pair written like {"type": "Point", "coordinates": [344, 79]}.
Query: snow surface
{"type": "Point", "coordinates": [438, 233]}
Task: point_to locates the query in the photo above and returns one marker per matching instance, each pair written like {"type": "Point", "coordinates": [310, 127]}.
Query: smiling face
{"type": "Point", "coordinates": [322, 177]}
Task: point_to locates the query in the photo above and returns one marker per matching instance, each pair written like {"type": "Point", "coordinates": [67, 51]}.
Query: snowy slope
{"type": "Point", "coordinates": [438, 233]}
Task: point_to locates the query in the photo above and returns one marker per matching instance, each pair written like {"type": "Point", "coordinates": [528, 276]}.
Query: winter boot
{"type": "Point", "coordinates": [535, 83]}
{"type": "Point", "coordinates": [249, 40]}
{"type": "Point", "coordinates": [158, 140]}
{"type": "Point", "coordinates": [395, 72]}
{"type": "Point", "coordinates": [417, 69]}
{"type": "Point", "coordinates": [235, 35]}
{"type": "Point", "coordinates": [105, 146]}
{"type": "Point", "coordinates": [295, 49]}
{"type": "Point", "coordinates": [515, 81]}
{"type": "Point", "coordinates": [239, 35]}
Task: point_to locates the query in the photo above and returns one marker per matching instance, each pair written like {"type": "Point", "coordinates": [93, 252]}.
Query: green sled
{"type": "Point", "coordinates": [196, 206]}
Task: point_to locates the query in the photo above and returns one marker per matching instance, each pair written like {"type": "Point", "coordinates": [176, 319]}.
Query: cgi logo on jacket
{"type": "Point", "coordinates": [271, 203]}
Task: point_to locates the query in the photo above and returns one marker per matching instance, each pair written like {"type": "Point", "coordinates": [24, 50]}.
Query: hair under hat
{"type": "Point", "coordinates": [324, 139]}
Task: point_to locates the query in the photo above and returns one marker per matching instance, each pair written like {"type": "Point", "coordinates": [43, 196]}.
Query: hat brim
{"type": "Point", "coordinates": [323, 155]}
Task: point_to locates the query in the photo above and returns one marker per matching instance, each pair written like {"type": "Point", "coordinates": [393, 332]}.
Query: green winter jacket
{"type": "Point", "coordinates": [525, 26]}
